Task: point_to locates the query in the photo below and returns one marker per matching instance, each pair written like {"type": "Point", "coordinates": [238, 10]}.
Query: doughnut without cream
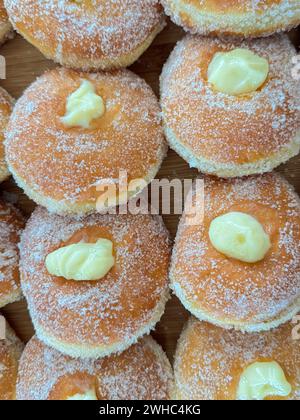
{"type": "Point", "coordinates": [228, 135]}
{"type": "Point", "coordinates": [226, 291]}
{"type": "Point", "coordinates": [247, 18]}
{"type": "Point", "coordinates": [11, 225]}
{"type": "Point", "coordinates": [60, 167]}
{"type": "Point", "coordinates": [142, 372]}
{"type": "Point", "coordinates": [88, 35]}
{"type": "Point", "coordinates": [209, 361]}
{"type": "Point", "coordinates": [6, 105]}
{"type": "Point", "coordinates": [10, 352]}
{"type": "Point", "coordinates": [96, 318]}
{"type": "Point", "coordinates": [6, 30]}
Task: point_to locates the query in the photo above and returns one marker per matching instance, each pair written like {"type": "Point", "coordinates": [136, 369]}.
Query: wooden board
{"type": "Point", "coordinates": [24, 64]}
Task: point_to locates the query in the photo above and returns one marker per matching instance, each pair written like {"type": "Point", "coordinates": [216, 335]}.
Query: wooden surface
{"type": "Point", "coordinates": [24, 64]}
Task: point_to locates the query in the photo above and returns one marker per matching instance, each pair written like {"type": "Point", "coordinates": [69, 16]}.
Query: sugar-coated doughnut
{"type": "Point", "coordinates": [59, 166]}
{"type": "Point", "coordinates": [86, 35]}
{"type": "Point", "coordinates": [96, 318]}
{"type": "Point", "coordinates": [227, 291]}
{"type": "Point", "coordinates": [6, 104]}
{"type": "Point", "coordinates": [11, 225]}
{"type": "Point", "coordinates": [209, 361]}
{"type": "Point", "coordinates": [10, 352]}
{"type": "Point", "coordinates": [228, 135]}
{"type": "Point", "coordinates": [247, 18]}
{"type": "Point", "coordinates": [6, 30]}
{"type": "Point", "coordinates": [143, 372]}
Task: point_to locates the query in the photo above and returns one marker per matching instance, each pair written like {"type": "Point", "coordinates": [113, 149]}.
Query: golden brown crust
{"type": "Point", "coordinates": [142, 372]}
{"type": "Point", "coordinates": [226, 135]}
{"type": "Point", "coordinates": [209, 360]}
{"type": "Point", "coordinates": [128, 137]}
{"type": "Point", "coordinates": [11, 224]}
{"type": "Point", "coordinates": [6, 105]}
{"type": "Point", "coordinates": [5, 25]}
{"type": "Point", "coordinates": [10, 353]}
{"type": "Point", "coordinates": [228, 292]}
{"type": "Point", "coordinates": [93, 319]}
{"type": "Point", "coordinates": [245, 18]}
{"type": "Point", "coordinates": [88, 35]}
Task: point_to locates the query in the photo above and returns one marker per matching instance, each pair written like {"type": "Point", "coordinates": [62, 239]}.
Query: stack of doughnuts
{"type": "Point", "coordinates": [10, 352]}
{"type": "Point", "coordinates": [84, 140]}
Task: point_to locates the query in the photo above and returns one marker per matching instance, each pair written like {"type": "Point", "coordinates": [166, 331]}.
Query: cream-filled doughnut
{"type": "Point", "coordinates": [239, 267]}
{"type": "Point", "coordinates": [231, 108]}
{"type": "Point", "coordinates": [88, 34]}
{"type": "Point", "coordinates": [71, 133]}
{"type": "Point", "coordinates": [142, 372]}
{"type": "Point", "coordinates": [6, 105]}
{"type": "Point", "coordinates": [245, 18]}
{"type": "Point", "coordinates": [10, 352]}
{"type": "Point", "coordinates": [11, 225]}
{"type": "Point", "coordinates": [6, 30]}
{"type": "Point", "coordinates": [214, 364]}
{"type": "Point", "coordinates": [79, 315]}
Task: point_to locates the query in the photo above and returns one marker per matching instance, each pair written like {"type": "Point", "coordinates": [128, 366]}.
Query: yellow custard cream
{"type": "Point", "coordinates": [88, 395]}
{"type": "Point", "coordinates": [262, 380]}
{"type": "Point", "coordinates": [240, 236]}
{"type": "Point", "coordinates": [83, 106]}
{"type": "Point", "coordinates": [237, 72]}
{"type": "Point", "coordinates": [82, 261]}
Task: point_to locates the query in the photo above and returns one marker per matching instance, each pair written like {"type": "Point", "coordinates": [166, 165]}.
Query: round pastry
{"type": "Point", "coordinates": [102, 34]}
{"type": "Point", "coordinates": [245, 18]}
{"type": "Point", "coordinates": [73, 133]}
{"type": "Point", "coordinates": [231, 108]}
{"type": "Point", "coordinates": [5, 25]}
{"type": "Point", "coordinates": [143, 372]}
{"type": "Point", "coordinates": [6, 104]}
{"type": "Point", "coordinates": [10, 353]}
{"type": "Point", "coordinates": [94, 285]}
{"type": "Point", "coordinates": [236, 263]}
{"type": "Point", "coordinates": [214, 364]}
{"type": "Point", "coordinates": [11, 224]}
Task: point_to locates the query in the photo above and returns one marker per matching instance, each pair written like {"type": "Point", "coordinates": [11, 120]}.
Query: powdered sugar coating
{"type": "Point", "coordinates": [141, 372]}
{"type": "Point", "coordinates": [60, 167]}
{"type": "Point", "coordinates": [248, 18]}
{"type": "Point", "coordinates": [88, 34]}
{"type": "Point", "coordinates": [5, 25]}
{"type": "Point", "coordinates": [109, 314]}
{"type": "Point", "coordinates": [209, 360]}
{"type": "Point", "coordinates": [228, 292]}
{"type": "Point", "coordinates": [237, 135]}
{"type": "Point", "coordinates": [6, 104]}
{"type": "Point", "coordinates": [11, 224]}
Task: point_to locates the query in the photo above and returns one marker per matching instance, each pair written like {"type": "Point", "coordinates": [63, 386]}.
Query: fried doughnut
{"type": "Point", "coordinates": [88, 35]}
{"type": "Point", "coordinates": [10, 352]}
{"type": "Point", "coordinates": [245, 18]}
{"type": "Point", "coordinates": [6, 30]}
{"type": "Point", "coordinates": [231, 135]}
{"type": "Point", "coordinates": [6, 104]}
{"type": "Point", "coordinates": [96, 318]}
{"type": "Point", "coordinates": [227, 291]}
{"type": "Point", "coordinates": [127, 137]}
{"type": "Point", "coordinates": [143, 372]}
{"type": "Point", "coordinates": [209, 361]}
{"type": "Point", "coordinates": [11, 224]}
